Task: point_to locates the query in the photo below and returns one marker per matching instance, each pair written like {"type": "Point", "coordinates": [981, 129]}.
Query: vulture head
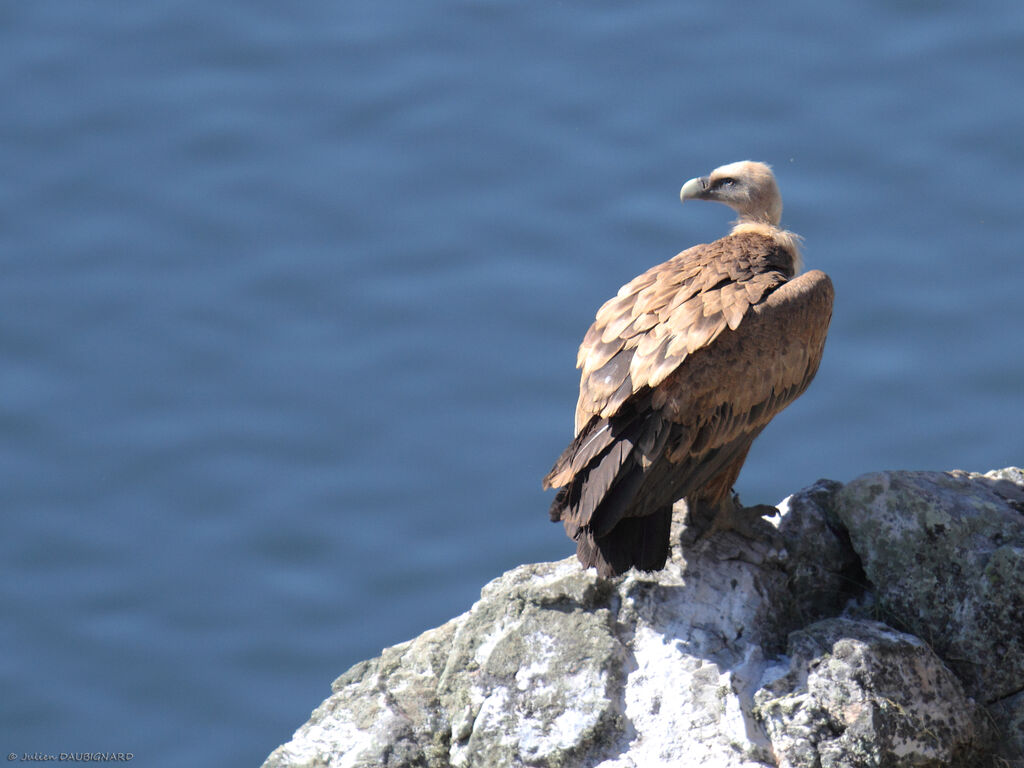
{"type": "Point", "coordinates": [746, 187]}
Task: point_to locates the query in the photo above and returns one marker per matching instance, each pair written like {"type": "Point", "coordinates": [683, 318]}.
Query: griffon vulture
{"type": "Point", "coordinates": [680, 372]}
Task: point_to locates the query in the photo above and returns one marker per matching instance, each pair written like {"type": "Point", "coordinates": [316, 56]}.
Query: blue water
{"type": "Point", "coordinates": [290, 296]}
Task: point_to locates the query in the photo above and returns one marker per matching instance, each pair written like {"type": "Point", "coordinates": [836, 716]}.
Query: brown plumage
{"type": "Point", "coordinates": [680, 372]}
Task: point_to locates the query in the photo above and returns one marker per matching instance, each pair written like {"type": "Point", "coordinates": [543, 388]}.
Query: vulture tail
{"type": "Point", "coordinates": [640, 542]}
{"type": "Point", "coordinates": [601, 472]}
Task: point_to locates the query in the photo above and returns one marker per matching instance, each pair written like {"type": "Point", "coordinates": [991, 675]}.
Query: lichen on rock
{"type": "Point", "coordinates": [859, 693]}
{"type": "Point", "coordinates": [944, 552]}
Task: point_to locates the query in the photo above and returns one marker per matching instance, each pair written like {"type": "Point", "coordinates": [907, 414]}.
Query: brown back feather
{"type": "Point", "coordinates": [669, 312]}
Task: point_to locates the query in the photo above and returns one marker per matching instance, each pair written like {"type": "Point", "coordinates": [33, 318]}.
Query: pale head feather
{"type": "Point", "coordinates": [748, 188]}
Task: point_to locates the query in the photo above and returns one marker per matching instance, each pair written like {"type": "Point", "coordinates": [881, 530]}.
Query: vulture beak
{"type": "Point", "coordinates": [694, 189]}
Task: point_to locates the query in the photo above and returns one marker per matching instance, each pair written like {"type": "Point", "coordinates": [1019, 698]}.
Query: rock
{"type": "Point", "coordinates": [732, 656]}
{"type": "Point", "coordinates": [1008, 719]}
{"type": "Point", "coordinates": [384, 712]}
{"type": "Point", "coordinates": [535, 670]}
{"type": "Point", "coordinates": [945, 554]}
{"type": "Point", "coordinates": [858, 693]}
{"type": "Point", "coordinates": [824, 570]}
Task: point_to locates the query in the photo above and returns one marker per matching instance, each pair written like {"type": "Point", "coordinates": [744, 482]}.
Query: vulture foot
{"type": "Point", "coordinates": [703, 521]}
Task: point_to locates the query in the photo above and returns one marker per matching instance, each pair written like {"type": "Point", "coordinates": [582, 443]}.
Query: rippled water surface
{"type": "Point", "coordinates": [291, 293]}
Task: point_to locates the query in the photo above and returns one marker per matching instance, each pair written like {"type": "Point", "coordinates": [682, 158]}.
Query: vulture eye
{"type": "Point", "coordinates": [727, 182]}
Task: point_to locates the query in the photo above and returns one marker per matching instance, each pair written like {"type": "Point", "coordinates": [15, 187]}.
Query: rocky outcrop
{"type": "Point", "coordinates": [878, 624]}
{"type": "Point", "coordinates": [945, 553]}
{"type": "Point", "coordinates": [858, 693]}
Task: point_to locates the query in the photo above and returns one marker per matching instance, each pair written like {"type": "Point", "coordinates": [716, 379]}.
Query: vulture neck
{"type": "Point", "coordinates": [790, 241]}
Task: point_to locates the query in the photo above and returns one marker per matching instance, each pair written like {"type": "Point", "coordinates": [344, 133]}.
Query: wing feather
{"type": "Point", "coordinates": [743, 380]}
{"type": "Point", "coordinates": [671, 311]}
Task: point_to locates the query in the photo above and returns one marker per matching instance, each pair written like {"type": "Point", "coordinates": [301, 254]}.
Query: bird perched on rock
{"type": "Point", "coordinates": [681, 370]}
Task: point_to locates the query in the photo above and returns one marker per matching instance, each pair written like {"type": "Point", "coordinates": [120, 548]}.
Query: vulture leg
{"type": "Point", "coordinates": [704, 519]}
{"type": "Point", "coordinates": [746, 521]}
{"type": "Point", "coordinates": [716, 508]}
